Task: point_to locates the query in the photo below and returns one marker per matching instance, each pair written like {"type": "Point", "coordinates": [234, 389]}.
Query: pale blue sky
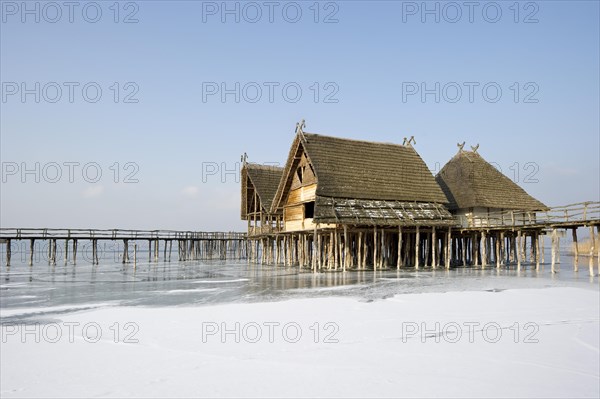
{"type": "Point", "coordinates": [364, 61]}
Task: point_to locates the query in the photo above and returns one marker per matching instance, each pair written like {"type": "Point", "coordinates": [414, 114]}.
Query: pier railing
{"type": "Point", "coordinates": [576, 214]}
{"type": "Point", "coordinates": [116, 234]}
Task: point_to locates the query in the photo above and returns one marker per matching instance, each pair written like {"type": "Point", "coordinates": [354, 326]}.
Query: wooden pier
{"type": "Point", "coordinates": [191, 245]}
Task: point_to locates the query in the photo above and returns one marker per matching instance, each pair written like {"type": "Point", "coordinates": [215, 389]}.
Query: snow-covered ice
{"type": "Point", "coordinates": [277, 333]}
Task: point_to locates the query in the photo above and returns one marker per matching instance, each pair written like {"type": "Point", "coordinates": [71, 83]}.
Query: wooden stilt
{"type": "Point", "coordinates": [518, 249]}
{"type": "Point", "coordinates": [31, 246]}
{"type": "Point", "coordinates": [125, 251]}
{"type": "Point", "coordinates": [476, 242]}
{"type": "Point", "coordinates": [399, 260]}
{"type": "Point", "coordinates": [448, 248]}
{"type": "Point", "coordinates": [8, 252]}
{"type": "Point", "coordinates": [591, 260]}
{"type": "Point", "coordinates": [315, 249]}
{"type": "Point", "coordinates": [374, 248]}
{"type": "Point", "coordinates": [532, 247]}
{"type": "Point", "coordinates": [523, 248]}
{"type": "Point", "coordinates": [383, 250]}
{"type": "Point", "coordinates": [425, 246]}
{"type": "Point", "coordinates": [576, 248]}
{"type": "Point", "coordinates": [484, 249]}
{"type": "Point", "coordinates": [331, 261]}
{"type": "Point", "coordinates": [537, 251]}
{"type": "Point", "coordinates": [434, 248]}
{"type": "Point", "coordinates": [553, 252]}
{"type": "Point", "coordinates": [359, 251]}
{"type": "Point", "coordinates": [74, 251]}
{"type": "Point", "coordinates": [542, 251]}
{"type": "Point", "coordinates": [346, 249]}
{"type": "Point", "coordinates": [66, 251]}
{"type": "Point", "coordinates": [417, 245]}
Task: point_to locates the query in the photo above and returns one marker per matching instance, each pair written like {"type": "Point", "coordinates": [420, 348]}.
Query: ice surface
{"type": "Point", "coordinates": [147, 332]}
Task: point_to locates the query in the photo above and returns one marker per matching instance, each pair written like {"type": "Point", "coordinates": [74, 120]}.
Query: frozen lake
{"type": "Point", "coordinates": [33, 294]}
{"type": "Point", "coordinates": [189, 329]}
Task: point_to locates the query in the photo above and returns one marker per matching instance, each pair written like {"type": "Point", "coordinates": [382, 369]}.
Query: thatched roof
{"type": "Point", "coordinates": [355, 169]}
{"type": "Point", "coordinates": [262, 178]}
{"type": "Point", "coordinates": [468, 181]}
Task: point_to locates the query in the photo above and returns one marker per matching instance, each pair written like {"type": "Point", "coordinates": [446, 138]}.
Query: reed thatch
{"type": "Point", "coordinates": [380, 212]}
{"type": "Point", "coordinates": [362, 182]}
{"type": "Point", "coordinates": [264, 179]}
{"type": "Point", "coordinates": [469, 181]}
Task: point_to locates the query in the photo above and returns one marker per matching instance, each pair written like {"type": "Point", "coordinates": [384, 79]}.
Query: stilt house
{"type": "Point", "coordinates": [259, 184]}
{"type": "Point", "coordinates": [479, 195]}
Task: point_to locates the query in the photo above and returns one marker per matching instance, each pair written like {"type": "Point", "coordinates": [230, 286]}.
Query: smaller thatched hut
{"type": "Point", "coordinates": [480, 195]}
{"type": "Point", "coordinates": [259, 184]}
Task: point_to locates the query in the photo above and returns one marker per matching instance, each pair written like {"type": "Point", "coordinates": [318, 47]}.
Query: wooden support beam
{"type": "Point", "coordinates": [383, 251]}
{"type": "Point", "coordinates": [536, 237]}
{"type": "Point", "coordinates": [532, 248]}
{"type": "Point", "coordinates": [425, 249]}
{"type": "Point", "coordinates": [448, 247]}
{"type": "Point", "coordinates": [74, 251]}
{"type": "Point", "coordinates": [374, 248]}
{"type": "Point", "coordinates": [553, 252]}
{"type": "Point", "coordinates": [125, 252]}
{"type": "Point", "coordinates": [346, 249]}
{"type": "Point", "coordinates": [576, 248]}
{"type": "Point", "coordinates": [518, 249]}
{"type": "Point", "coordinates": [399, 260]}
{"type": "Point", "coordinates": [315, 250]}
{"type": "Point", "coordinates": [434, 248]}
{"type": "Point", "coordinates": [359, 251]}
{"type": "Point", "coordinates": [591, 260]}
{"type": "Point", "coordinates": [417, 245]}
{"type": "Point", "coordinates": [542, 249]}
{"type": "Point", "coordinates": [31, 246]}
{"type": "Point", "coordinates": [8, 252]}
{"type": "Point", "coordinates": [498, 254]}
{"type": "Point", "coordinates": [476, 243]}
{"type": "Point", "coordinates": [484, 249]}
{"type": "Point", "coordinates": [364, 254]}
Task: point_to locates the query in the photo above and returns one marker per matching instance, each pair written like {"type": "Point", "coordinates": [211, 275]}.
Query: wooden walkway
{"type": "Point", "coordinates": [191, 245]}
{"type": "Point", "coordinates": [583, 214]}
